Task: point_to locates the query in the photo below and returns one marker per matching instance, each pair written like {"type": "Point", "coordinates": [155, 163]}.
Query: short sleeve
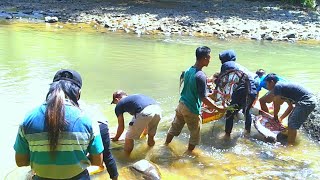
{"type": "Point", "coordinates": [119, 108]}
{"type": "Point", "coordinates": [21, 145]}
{"type": "Point", "coordinates": [201, 81]}
{"type": "Point", "coordinates": [96, 145]}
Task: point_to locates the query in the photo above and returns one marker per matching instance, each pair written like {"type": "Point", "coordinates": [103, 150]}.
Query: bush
{"type": "Point", "coordinates": [306, 3]}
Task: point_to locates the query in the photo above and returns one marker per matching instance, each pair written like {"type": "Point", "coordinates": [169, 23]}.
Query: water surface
{"type": "Point", "coordinates": [30, 55]}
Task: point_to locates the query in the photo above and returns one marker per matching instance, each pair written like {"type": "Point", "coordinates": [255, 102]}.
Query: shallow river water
{"type": "Point", "coordinates": [31, 54]}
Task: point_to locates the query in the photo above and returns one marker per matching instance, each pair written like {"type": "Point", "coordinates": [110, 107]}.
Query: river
{"type": "Point", "coordinates": [151, 65]}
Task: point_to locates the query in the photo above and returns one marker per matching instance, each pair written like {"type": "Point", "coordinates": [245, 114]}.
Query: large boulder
{"type": "Point", "coordinates": [146, 170]}
{"type": "Point", "coordinates": [312, 124]}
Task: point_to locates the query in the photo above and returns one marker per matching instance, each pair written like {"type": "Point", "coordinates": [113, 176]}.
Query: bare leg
{"type": "Point", "coordinates": [169, 139]}
{"type": "Point", "coordinates": [128, 146]}
{"type": "Point", "coordinates": [191, 147]}
{"type": "Point", "coordinates": [151, 140]}
{"type": "Point", "coordinates": [292, 134]}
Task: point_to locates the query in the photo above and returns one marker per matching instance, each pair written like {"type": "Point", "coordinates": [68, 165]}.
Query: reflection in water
{"type": "Point", "coordinates": [152, 66]}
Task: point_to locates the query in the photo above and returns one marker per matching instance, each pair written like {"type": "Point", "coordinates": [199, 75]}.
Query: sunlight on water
{"type": "Point", "coordinates": [152, 65]}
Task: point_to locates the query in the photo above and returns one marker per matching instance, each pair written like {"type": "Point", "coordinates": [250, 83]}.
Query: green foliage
{"type": "Point", "coordinates": [306, 3]}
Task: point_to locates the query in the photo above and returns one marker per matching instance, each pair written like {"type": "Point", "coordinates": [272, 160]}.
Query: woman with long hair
{"type": "Point", "coordinates": [57, 139]}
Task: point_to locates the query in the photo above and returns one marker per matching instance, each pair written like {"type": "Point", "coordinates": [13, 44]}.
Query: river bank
{"type": "Point", "coordinates": [257, 20]}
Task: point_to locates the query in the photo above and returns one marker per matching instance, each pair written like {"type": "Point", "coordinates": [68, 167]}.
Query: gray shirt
{"type": "Point", "coordinates": [133, 104]}
{"type": "Point", "coordinates": [291, 91]}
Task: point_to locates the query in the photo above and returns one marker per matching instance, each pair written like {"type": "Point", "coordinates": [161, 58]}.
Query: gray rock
{"type": "Point", "coordinates": [291, 35]}
{"type": "Point", "coordinates": [147, 170]}
{"type": "Point", "coordinates": [312, 124]}
{"type": "Point", "coordinates": [50, 19]}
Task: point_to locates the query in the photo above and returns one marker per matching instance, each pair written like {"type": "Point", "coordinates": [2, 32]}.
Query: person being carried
{"type": "Point", "coordinates": [191, 97]}
{"type": "Point", "coordinates": [291, 93]}
{"type": "Point", "coordinates": [244, 95]}
{"type": "Point", "coordinates": [55, 138]}
{"type": "Point", "coordinates": [267, 98]}
{"type": "Point", "coordinates": [146, 115]}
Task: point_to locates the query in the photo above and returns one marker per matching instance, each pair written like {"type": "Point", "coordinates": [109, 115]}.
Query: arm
{"type": "Point", "coordinates": [276, 104]}
{"type": "Point", "coordinates": [96, 159]}
{"type": "Point", "coordinates": [287, 112]}
{"type": "Point", "coordinates": [207, 101]}
{"type": "Point", "coordinates": [22, 159]}
{"type": "Point", "coordinates": [120, 128]}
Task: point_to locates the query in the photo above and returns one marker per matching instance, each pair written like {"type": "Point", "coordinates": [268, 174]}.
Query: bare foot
{"type": "Point", "coordinates": [226, 136]}
{"type": "Point", "coordinates": [246, 134]}
{"type": "Point", "coordinates": [151, 142]}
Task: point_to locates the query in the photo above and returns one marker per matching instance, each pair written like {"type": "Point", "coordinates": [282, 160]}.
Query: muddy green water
{"type": "Point", "coordinates": [30, 56]}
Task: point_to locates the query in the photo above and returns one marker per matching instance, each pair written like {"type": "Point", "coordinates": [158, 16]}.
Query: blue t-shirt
{"type": "Point", "coordinates": [133, 104]}
{"type": "Point", "coordinates": [81, 136]}
{"type": "Point", "coordinates": [194, 89]}
{"type": "Point", "coordinates": [252, 77]}
{"type": "Point", "coordinates": [291, 92]}
{"type": "Point", "coordinates": [263, 83]}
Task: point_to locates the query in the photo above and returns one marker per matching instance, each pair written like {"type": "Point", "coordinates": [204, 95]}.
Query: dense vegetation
{"type": "Point", "coordinates": [305, 3]}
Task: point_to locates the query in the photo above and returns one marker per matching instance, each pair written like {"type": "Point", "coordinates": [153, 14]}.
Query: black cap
{"type": "Point", "coordinates": [68, 75]}
{"type": "Point", "coordinates": [227, 55]}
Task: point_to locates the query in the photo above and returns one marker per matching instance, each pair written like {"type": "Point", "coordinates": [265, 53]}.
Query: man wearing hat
{"type": "Point", "coordinates": [244, 95]}
{"type": "Point", "coordinates": [146, 115]}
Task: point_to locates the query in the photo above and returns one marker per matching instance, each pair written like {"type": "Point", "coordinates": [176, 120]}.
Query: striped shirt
{"type": "Point", "coordinates": [80, 137]}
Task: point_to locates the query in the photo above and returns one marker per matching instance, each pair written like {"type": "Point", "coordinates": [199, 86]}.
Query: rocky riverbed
{"type": "Point", "coordinates": [257, 20]}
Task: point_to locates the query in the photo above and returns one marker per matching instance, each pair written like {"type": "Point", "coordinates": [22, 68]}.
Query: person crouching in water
{"type": "Point", "coordinates": [291, 93]}
{"type": "Point", "coordinates": [146, 115]}
{"type": "Point", "coordinates": [193, 93]}
{"type": "Point", "coordinates": [244, 95]}
{"type": "Point", "coordinates": [268, 97]}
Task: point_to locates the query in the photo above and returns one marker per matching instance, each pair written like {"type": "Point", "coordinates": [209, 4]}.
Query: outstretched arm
{"type": "Point", "coordinates": [120, 128]}
{"type": "Point", "coordinates": [209, 102]}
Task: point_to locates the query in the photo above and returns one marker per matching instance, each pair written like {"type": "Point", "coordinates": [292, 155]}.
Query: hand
{"type": "Point", "coordinates": [280, 119]}
{"type": "Point", "coordinates": [114, 139]}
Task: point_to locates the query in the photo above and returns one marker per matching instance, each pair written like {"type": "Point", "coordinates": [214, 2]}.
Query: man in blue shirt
{"type": "Point", "coordinates": [291, 93]}
{"type": "Point", "coordinates": [146, 115]}
{"type": "Point", "coordinates": [194, 92]}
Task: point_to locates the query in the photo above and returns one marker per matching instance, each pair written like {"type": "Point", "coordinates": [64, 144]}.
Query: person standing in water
{"type": "Point", "coordinates": [291, 93]}
{"type": "Point", "coordinates": [56, 139]}
{"type": "Point", "coordinates": [193, 93]}
{"type": "Point", "coordinates": [244, 95]}
{"type": "Point", "coordinates": [146, 116]}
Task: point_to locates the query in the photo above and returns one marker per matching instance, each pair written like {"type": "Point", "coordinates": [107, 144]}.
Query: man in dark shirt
{"type": "Point", "coordinates": [244, 95]}
{"type": "Point", "coordinates": [291, 93]}
{"type": "Point", "coordinates": [146, 115]}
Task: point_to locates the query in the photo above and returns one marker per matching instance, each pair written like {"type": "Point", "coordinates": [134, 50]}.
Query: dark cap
{"type": "Point", "coordinates": [227, 55]}
{"type": "Point", "coordinates": [68, 75]}
{"type": "Point", "coordinates": [117, 94]}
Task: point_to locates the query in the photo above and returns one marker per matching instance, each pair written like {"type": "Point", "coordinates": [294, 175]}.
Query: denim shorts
{"type": "Point", "coordinates": [301, 112]}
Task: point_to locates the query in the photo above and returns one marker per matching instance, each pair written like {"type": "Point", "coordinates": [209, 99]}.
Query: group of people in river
{"type": "Point", "coordinates": [59, 140]}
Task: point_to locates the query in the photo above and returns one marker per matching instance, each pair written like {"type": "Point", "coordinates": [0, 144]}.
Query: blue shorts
{"type": "Point", "coordinates": [301, 112]}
